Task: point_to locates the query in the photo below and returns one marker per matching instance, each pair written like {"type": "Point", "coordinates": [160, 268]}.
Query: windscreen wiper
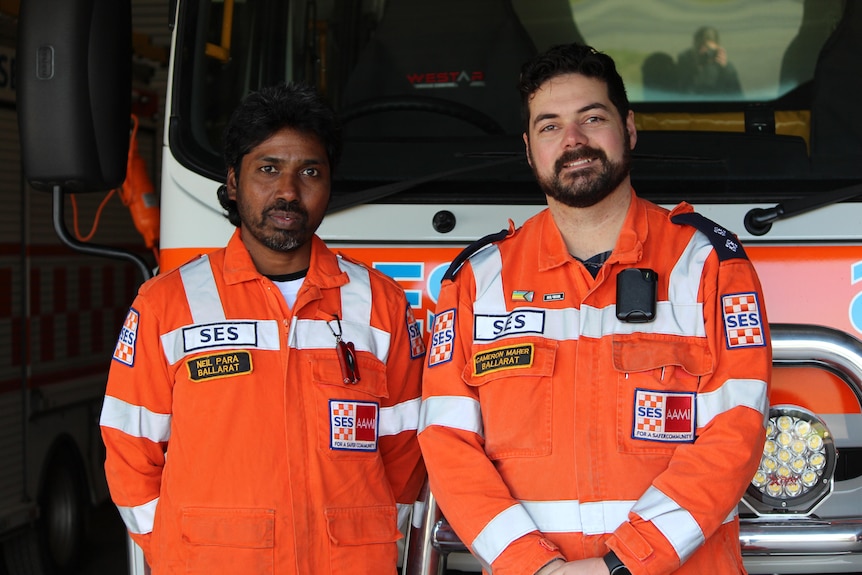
{"type": "Point", "coordinates": [378, 193]}
{"type": "Point", "coordinates": [758, 221]}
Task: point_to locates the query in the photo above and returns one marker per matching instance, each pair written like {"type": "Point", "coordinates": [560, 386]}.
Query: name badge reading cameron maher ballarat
{"type": "Point", "coordinates": [501, 358]}
{"type": "Point", "coordinates": [219, 365]}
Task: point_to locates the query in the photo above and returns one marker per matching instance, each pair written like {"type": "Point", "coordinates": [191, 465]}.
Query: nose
{"type": "Point", "coordinates": [573, 136]}
{"type": "Point", "coordinates": [288, 187]}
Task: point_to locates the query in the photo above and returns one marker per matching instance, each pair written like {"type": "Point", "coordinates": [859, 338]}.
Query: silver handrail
{"type": "Point", "coordinates": [792, 344]}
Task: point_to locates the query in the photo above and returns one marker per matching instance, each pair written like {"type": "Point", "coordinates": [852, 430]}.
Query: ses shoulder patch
{"type": "Point", "coordinates": [743, 325]}
{"type": "Point", "coordinates": [725, 242]}
{"type": "Point", "coordinates": [442, 338]}
{"type": "Point", "coordinates": [125, 350]}
{"type": "Point", "coordinates": [417, 344]}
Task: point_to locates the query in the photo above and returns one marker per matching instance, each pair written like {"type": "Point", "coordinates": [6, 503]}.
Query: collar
{"type": "Point", "coordinates": [323, 270]}
{"type": "Point", "coordinates": [627, 250]}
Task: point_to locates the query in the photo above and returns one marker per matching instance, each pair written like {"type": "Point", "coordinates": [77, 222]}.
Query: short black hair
{"type": "Point", "coordinates": [571, 59]}
{"type": "Point", "coordinates": [266, 111]}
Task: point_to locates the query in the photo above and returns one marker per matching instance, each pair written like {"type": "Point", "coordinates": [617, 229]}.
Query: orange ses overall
{"type": "Point", "coordinates": [235, 443]}
{"type": "Point", "coordinates": [582, 433]}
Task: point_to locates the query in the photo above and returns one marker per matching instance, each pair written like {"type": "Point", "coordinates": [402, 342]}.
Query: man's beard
{"type": "Point", "coordinates": [278, 239]}
{"type": "Point", "coordinates": [586, 187]}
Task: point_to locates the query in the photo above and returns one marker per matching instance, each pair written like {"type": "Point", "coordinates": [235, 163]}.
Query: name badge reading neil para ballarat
{"type": "Point", "coordinates": [218, 365]}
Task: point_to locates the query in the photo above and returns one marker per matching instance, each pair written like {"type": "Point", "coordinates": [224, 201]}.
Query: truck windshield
{"type": "Point", "coordinates": [430, 86]}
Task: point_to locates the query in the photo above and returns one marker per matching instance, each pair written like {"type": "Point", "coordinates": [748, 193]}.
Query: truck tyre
{"type": "Point", "coordinates": [54, 543]}
{"type": "Point", "coordinates": [62, 514]}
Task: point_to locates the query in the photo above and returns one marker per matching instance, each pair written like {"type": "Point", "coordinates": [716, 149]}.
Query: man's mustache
{"type": "Point", "coordinates": [582, 153]}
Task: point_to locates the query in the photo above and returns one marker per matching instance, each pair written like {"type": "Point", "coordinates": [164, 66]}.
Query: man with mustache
{"type": "Point", "coordinates": [597, 380]}
{"type": "Point", "coordinates": [262, 405]}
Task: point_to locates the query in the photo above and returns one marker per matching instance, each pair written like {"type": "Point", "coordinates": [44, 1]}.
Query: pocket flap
{"type": "Point", "coordinates": [638, 352]}
{"type": "Point", "coordinates": [249, 528]}
{"type": "Point", "coordinates": [326, 370]}
{"type": "Point", "coordinates": [362, 525]}
{"type": "Point", "coordinates": [533, 358]}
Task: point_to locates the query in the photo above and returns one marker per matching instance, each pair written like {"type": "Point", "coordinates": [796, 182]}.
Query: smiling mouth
{"type": "Point", "coordinates": [578, 163]}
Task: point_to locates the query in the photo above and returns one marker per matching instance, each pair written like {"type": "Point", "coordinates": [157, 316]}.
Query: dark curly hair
{"type": "Point", "coordinates": [571, 59]}
{"type": "Point", "coordinates": [268, 110]}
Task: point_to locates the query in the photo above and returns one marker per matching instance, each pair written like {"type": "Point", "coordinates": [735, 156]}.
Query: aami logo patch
{"type": "Point", "coordinates": [742, 320]}
{"type": "Point", "coordinates": [125, 350]}
{"type": "Point", "coordinates": [664, 416]}
{"type": "Point", "coordinates": [353, 425]}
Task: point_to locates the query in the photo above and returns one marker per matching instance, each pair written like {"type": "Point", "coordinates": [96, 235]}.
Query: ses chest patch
{"type": "Point", "coordinates": [664, 416]}
{"type": "Point", "coordinates": [353, 425]}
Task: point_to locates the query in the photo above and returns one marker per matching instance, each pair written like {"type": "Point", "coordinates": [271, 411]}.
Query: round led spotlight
{"type": "Point", "coordinates": [795, 472]}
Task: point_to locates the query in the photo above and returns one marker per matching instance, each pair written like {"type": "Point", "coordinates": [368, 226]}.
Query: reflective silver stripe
{"type": "Point", "coordinates": [671, 319]}
{"type": "Point", "coordinates": [139, 520]}
{"type": "Point", "coordinates": [594, 518]}
{"type": "Point", "coordinates": [500, 532]}
{"type": "Point", "coordinates": [687, 272]}
{"type": "Point", "coordinates": [674, 522]}
{"type": "Point", "coordinates": [198, 279]}
{"type": "Point", "coordinates": [135, 420]}
{"type": "Point", "coordinates": [453, 411]}
{"type": "Point", "coordinates": [356, 294]}
{"type": "Point", "coordinates": [681, 315]}
{"type": "Point", "coordinates": [400, 417]}
{"type": "Point", "coordinates": [268, 338]}
{"type": "Point", "coordinates": [315, 334]}
{"type": "Point", "coordinates": [356, 302]}
{"type": "Point", "coordinates": [487, 265]}
{"type": "Point", "coordinates": [749, 393]}
{"type": "Point", "coordinates": [572, 516]}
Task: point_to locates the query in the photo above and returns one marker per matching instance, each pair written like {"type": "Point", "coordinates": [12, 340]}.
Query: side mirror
{"type": "Point", "coordinates": [74, 92]}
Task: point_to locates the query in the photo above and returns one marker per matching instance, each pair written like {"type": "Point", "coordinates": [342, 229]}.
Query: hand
{"type": "Point", "coordinates": [592, 566]}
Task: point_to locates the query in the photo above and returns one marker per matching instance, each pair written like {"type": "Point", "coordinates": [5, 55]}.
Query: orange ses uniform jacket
{"type": "Point", "coordinates": [551, 428]}
{"type": "Point", "coordinates": [233, 443]}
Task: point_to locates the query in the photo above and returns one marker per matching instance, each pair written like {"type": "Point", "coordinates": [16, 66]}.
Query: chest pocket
{"type": "Point", "coordinates": [658, 378]}
{"type": "Point", "coordinates": [347, 414]}
{"type": "Point", "coordinates": [515, 385]}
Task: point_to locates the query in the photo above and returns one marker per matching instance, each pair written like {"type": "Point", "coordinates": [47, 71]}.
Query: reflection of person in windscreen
{"type": "Point", "coordinates": [704, 69]}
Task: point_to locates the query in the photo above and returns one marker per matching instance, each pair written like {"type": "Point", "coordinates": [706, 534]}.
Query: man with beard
{"type": "Point", "coordinates": [262, 404]}
{"type": "Point", "coordinates": [596, 384]}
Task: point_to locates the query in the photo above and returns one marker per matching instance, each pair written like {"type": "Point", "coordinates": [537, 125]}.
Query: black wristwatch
{"type": "Point", "coordinates": [615, 566]}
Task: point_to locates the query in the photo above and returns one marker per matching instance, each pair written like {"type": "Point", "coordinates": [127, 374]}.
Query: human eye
{"type": "Point", "coordinates": [268, 169]}
{"type": "Point", "coordinates": [311, 172]}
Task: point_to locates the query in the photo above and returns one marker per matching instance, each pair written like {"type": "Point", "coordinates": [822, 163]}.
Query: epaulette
{"type": "Point", "coordinates": [725, 242]}
{"type": "Point", "coordinates": [470, 250]}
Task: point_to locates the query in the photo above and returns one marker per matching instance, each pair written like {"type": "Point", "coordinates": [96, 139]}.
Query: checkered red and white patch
{"type": "Point", "coordinates": [125, 350]}
{"type": "Point", "coordinates": [743, 324]}
{"type": "Point", "coordinates": [442, 338]}
{"type": "Point", "coordinates": [417, 344]}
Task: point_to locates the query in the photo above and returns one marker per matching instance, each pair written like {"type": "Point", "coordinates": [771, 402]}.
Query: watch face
{"type": "Point", "coordinates": [621, 570]}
